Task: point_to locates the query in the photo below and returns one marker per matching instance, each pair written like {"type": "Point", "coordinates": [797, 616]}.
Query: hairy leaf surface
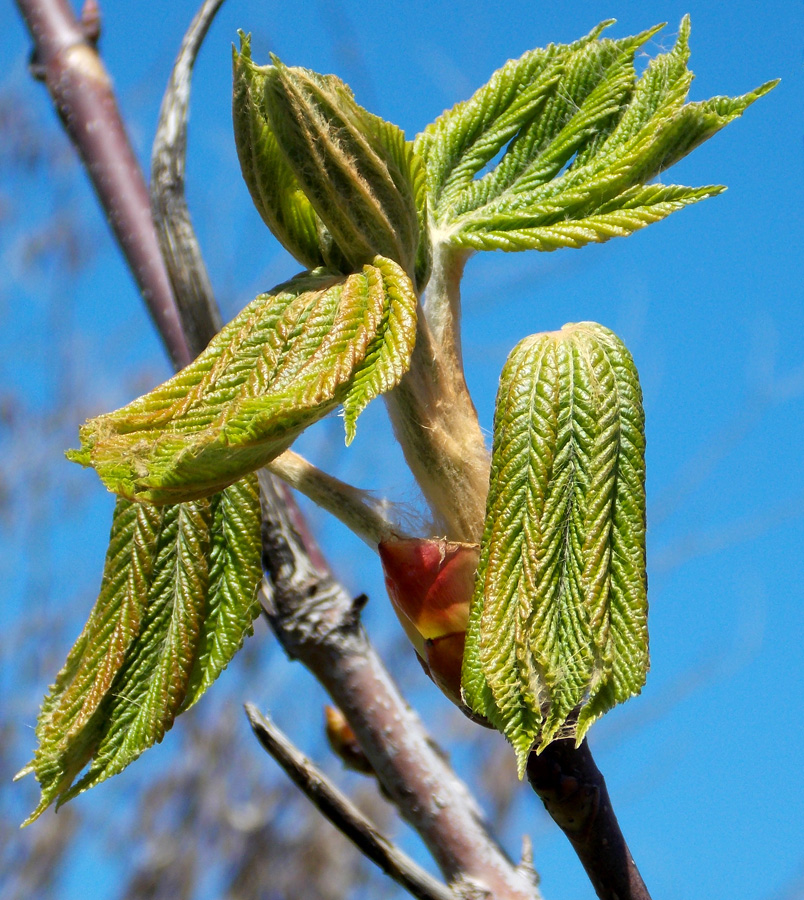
{"type": "Point", "coordinates": [274, 188]}
{"type": "Point", "coordinates": [178, 596]}
{"type": "Point", "coordinates": [558, 624]}
{"type": "Point", "coordinates": [582, 137]}
{"type": "Point", "coordinates": [357, 170]}
{"type": "Point", "coordinates": [464, 139]}
{"type": "Point", "coordinates": [289, 358]}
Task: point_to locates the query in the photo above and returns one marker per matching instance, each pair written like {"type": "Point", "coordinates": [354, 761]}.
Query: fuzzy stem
{"type": "Point", "coordinates": [433, 415]}
{"type": "Point", "coordinates": [372, 520]}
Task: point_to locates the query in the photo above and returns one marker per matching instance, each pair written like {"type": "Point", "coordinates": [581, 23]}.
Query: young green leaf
{"type": "Point", "coordinates": [584, 137]}
{"type": "Point", "coordinates": [464, 139]}
{"type": "Point", "coordinates": [178, 596]}
{"type": "Point", "coordinates": [289, 358]}
{"type": "Point", "coordinates": [357, 170]}
{"type": "Point", "coordinates": [558, 623]}
{"type": "Point", "coordinates": [273, 187]}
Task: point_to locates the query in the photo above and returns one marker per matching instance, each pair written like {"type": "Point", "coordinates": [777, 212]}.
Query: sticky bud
{"type": "Point", "coordinates": [430, 583]}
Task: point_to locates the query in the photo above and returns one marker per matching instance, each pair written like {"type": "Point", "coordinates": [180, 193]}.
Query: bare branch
{"type": "Point", "coordinates": [66, 59]}
{"type": "Point", "coordinates": [574, 793]}
{"type": "Point", "coordinates": [199, 311]}
{"type": "Point", "coordinates": [318, 623]}
{"type": "Point", "coordinates": [343, 814]}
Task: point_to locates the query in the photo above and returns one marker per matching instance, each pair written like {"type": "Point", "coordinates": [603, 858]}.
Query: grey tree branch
{"type": "Point", "coordinates": [66, 59]}
{"type": "Point", "coordinates": [200, 316]}
{"type": "Point", "coordinates": [343, 814]}
{"type": "Point", "coordinates": [312, 615]}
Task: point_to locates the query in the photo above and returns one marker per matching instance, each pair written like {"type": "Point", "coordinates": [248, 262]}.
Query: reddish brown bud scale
{"type": "Point", "coordinates": [430, 583]}
{"type": "Point", "coordinates": [444, 661]}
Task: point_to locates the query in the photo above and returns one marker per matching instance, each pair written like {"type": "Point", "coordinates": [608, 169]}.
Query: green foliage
{"type": "Point", "coordinates": [286, 360]}
{"type": "Point", "coordinates": [276, 192]}
{"type": "Point", "coordinates": [179, 594]}
{"type": "Point", "coordinates": [356, 169]}
{"type": "Point", "coordinates": [559, 149]}
{"type": "Point", "coordinates": [558, 629]}
{"type": "Point", "coordinates": [582, 139]}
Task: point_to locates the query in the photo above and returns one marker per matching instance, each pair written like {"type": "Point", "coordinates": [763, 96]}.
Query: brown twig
{"type": "Point", "coordinates": [66, 59]}
{"type": "Point", "coordinates": [574, 793]}
{"type": "Point", "coordinates": [343, 814]}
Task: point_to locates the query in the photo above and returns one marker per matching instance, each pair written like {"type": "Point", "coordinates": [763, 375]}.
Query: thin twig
{"type": "Point", "coordinates": [574, 793]}
{"type": "Point", "coordinates": [199, 311]}
{"type": "Point", "coordinates": [343, 814]}
{"type": "Point", "coordinates": [66, 59]}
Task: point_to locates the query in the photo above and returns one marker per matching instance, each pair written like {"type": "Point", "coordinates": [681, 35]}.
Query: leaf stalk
{"type": "Point", "coordinates": [433, 414]}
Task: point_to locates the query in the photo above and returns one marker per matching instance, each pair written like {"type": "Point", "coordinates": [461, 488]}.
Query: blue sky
{"type": "Point", "coordinates": [705, 767]}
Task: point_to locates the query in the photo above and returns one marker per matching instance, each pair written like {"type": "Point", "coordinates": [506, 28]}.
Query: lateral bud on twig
{"type": "Point", "coordinates": [343, 742]}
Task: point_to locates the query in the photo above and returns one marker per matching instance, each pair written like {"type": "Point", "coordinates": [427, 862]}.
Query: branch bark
{"type": "Point", "coordinates": [574, 793]}
{"type": "Point", "coordinates": [198, 309]}
{"type": "Point", "coordinates": [65, 58]}
{"type": "Point", "coordinates": [343, 814]}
